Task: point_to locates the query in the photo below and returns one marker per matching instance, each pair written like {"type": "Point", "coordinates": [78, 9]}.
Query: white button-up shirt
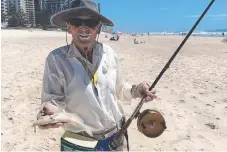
{"type": "Point", "coordinates": [67, 84]}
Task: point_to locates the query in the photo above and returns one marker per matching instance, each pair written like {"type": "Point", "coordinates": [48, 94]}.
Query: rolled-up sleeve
{"type": "Point", "coordinates": [123, 89]}
{"type": "Point", "coordinates": [53, 90]}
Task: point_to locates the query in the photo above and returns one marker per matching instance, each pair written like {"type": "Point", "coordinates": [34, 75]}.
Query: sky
{"type": "Point", "coordinates": [164, 15]}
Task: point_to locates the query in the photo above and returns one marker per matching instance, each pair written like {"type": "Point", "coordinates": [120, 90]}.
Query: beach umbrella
{"type": "Point", "coordinates": [118, 32]}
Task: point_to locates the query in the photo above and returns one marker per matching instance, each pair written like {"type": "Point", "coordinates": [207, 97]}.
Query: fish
{"type": "Point", "coordinates": [63, 117]}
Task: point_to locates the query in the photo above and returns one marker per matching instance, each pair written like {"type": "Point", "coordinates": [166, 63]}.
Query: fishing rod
{"type": "Point", "coordinates": [120, 134]}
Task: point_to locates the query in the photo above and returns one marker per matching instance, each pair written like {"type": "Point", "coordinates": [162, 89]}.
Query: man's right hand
{"type": "Point", "coordinates": [49, 109]}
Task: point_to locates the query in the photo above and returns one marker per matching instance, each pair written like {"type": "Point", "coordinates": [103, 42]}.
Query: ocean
{"type": "Point", "coordinates": [208, 33]}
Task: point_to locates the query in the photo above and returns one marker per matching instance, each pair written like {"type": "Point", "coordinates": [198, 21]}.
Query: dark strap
{"type": "Point", "coordinates": [126, 136]}
{"type": "Point", "coordinates": [101, 135]}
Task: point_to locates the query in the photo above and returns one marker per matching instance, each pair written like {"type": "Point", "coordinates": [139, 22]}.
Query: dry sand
{"type": "Point", "coordinates": [224, 40]}
{"type": "Point", "coordinates": [193, 90]}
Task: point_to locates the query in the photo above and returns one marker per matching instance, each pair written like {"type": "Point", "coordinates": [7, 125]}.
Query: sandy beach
{"type": "Point", "coordinates": [192, 92]}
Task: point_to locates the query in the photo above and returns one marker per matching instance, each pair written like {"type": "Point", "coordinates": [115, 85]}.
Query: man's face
{"type": "Point", "coordinates": [83, 30]}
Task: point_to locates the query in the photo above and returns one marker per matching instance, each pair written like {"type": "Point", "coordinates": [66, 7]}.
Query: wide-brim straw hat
{"type": "Point", "coordinates": [77, 8]}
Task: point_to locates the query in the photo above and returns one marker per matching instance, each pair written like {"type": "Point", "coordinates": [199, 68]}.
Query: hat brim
{"type": "Point", "coordinates": [60, 18]}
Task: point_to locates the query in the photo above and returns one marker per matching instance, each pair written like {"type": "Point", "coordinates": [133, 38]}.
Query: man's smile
{"type": "Point", "coordinates": [84, 35]}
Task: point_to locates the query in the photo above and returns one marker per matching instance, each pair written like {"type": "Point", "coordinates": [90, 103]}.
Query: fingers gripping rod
{"type": "Point", "coordinates": [119, 135]}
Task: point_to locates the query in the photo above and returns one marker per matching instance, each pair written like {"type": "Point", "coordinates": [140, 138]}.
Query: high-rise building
{"type": "Point", "coordinates": [30, 11]}
{"type": "Point", "coordinates": [27, 6]}
{"type": "Point", "coordinates": [4, 11]}
{"type": "Point", "coordinates": [4, 6]}
{"type": "Point", "coordinates": [52, 6]}
{"type": "Point", "coordinates": [18, 4]}
{"type": "Point", "coordinates": [37, 5]}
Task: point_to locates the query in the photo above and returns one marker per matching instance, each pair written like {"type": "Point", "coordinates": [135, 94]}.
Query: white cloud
{"type": "Point", "coordinates": [211, 16]}
{"type": "Point", "coordinates": [192, 16]}
{"type": "Point", "coordinates": [218, 15]}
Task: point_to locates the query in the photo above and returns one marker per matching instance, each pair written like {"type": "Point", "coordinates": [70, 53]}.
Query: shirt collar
{"type": "Point", "coordinates": [73, 51]}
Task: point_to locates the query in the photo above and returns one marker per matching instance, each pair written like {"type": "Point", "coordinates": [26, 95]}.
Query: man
{"type": "Point", "coordinates": [84, 77]}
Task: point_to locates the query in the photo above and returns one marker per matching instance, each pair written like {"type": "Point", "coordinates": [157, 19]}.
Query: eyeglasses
{"type": "Point", "coordinates": [88, 22]}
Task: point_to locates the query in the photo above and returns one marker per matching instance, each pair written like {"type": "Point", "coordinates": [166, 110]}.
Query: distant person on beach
{"type": "Point", "coordinates": [115, 36]}
{"type": "Point", "coordinates": [84, 79]}
{"type": "Point", "coordinates": [135, 41]}
{"type": "Point", "coordinates": [223, 34]}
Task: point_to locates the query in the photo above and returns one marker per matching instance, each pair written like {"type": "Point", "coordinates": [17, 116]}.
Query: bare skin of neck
{"type": "Point", "coordinates": [86, 51]}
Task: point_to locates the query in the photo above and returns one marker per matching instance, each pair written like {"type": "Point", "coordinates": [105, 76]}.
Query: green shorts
{"type": "Point", "coordinates": [74, 142]}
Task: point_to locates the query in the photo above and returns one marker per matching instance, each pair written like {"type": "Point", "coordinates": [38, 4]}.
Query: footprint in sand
{"type": "Point", "coordinates": [182, 101]}
{"type": "Point", "coordinates": [209, 105]}
{"type": "Point", "coordinates": [203, 138]}
{"type": "Point", "coordinates": [224, 100]}
{"type": "Point", "coordinates": [216, 102]}
{"type": "Point", "coordinates": [194, 97]}
{"type": "Point", "coordinates": [211, 125]}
